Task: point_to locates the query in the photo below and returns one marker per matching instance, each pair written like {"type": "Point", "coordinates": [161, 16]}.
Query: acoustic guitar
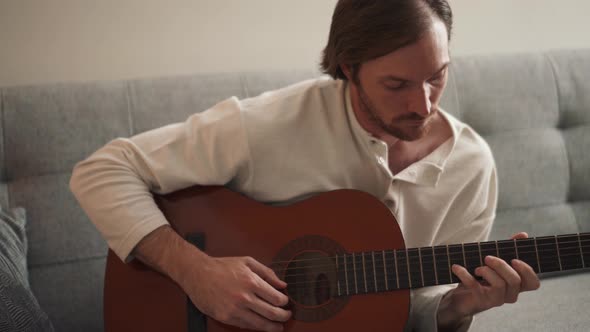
{"type": "Point", "coordinates": [341, 253]}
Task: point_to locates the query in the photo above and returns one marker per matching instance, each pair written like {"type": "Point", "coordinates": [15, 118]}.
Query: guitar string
{"type": "Point", "coordinates": [476, 251]}
{"type": "Point", "coordinates": [381, 276]}
{"type": "Point", "coordinates": [424, 270]}
{"type": "Point", "coordinates": [381, 282]}
{"type": "Point", "coordinates": [543, 261]}
{"type": "Point", "coordinates": [457, 246]}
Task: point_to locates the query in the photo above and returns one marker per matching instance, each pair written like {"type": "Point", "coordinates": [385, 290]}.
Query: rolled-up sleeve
{"type": "Point", "coordinates": [114, 185]}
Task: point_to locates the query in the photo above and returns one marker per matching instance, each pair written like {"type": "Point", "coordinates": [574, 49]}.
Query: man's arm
{"type": "Point", "coordinates": [234, 290]}
{"type": "Point", "coordinates": [114, 187]}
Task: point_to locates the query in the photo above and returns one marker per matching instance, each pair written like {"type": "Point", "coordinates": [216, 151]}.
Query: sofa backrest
{"type": "Point", "coordinates": [533, 109]}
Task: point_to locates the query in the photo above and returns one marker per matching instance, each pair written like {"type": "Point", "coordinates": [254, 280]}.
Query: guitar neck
{"type": "Point", "coordinates": [378, 271]}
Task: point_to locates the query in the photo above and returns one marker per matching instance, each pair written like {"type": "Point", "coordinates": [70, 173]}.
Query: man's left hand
{"type": "Point", "coordinates": [502, 283]}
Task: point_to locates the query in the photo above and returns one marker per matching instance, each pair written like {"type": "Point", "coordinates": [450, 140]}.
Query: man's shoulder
{"type": "Point", "coordinates": [469, 143]}
{"type": "Point", "coordinates": [304, 90]}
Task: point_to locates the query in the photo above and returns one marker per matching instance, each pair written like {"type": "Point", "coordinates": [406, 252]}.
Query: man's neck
{"type": "Point", "coordinates": [403, 153]}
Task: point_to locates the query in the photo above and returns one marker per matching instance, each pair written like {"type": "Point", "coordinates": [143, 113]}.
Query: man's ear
{"type": "Point", "coordinates": [347, 70]}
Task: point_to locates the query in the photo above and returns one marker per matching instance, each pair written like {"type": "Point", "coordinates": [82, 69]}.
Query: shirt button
{"type": "Point", "coordinates": [390, 203]}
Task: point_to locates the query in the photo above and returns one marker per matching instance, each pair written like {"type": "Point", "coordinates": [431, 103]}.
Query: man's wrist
{"type": "Point", "coordinates": [447, 317]}
{"type": "Point", "coordinates": [167, 252]}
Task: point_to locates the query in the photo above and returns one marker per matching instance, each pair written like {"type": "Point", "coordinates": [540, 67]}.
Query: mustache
{"type": "Point", "coordinates": [416, 117]}
{"type": "Point", "coordinates": [412, 117]}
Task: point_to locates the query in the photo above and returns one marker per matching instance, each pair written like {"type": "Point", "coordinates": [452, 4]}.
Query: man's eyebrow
{"type": "Point", "coordinates": [400, 79]}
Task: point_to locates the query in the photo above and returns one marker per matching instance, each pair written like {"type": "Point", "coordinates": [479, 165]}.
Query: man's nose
{"type": "Point", "coordinates": [420, 101]}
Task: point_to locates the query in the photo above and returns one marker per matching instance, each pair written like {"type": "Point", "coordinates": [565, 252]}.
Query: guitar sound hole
{"type": "Point", "coordinates": [310, 278]}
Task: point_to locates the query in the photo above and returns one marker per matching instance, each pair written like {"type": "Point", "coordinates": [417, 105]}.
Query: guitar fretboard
{"type": "Point", "coordinates": [380, 271]}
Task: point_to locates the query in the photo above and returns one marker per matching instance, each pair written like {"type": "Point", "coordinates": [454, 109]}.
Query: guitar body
{"type": "Point", "coordinates": [226, 223]}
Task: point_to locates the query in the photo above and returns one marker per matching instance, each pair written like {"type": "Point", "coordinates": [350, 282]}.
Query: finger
{"type": "Point", "coordinates": [520, 235]}
{"type": "Point", "coordinates": [265, 290]}
{"type": "Point", "coordinates": [529, 279]}
{"type": "Point", "coordinates": [252, 321]}
{"type": "Point", "coordinates": [496, 284]}
{"type": "Point", "coordinates": [270, 294]}
{"type": "Point", "coordinates": [269, 311]}
{"type": "Point", "coordinates": [508, 274]}
{"type": "Point", "coordinates": [265, 273]}
{"type": "Point", "coordinates": [466, 278]}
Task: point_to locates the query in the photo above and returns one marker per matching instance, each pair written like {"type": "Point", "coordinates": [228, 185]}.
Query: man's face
{"type": "Point", "coordinates": [399, 92]}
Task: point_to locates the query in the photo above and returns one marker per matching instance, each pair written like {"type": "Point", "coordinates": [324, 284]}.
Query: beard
{"type": "Point", "coordinates": [396, 128]}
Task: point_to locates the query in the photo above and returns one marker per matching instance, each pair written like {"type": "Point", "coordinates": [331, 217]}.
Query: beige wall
{"type": "Point", "coordinates": [71, 40]}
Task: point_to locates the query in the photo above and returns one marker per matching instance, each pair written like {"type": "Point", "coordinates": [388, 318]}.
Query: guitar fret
{"type": "Point", "coordinates": [403, 268]}
{"type": "Point", "coordinates": [364, 272]}
{"type": "Point", "coordinates": [488, 248]}
{"type": "Point", "coordinates": [463, 251]}
{"type": "Point", "coordinates": [356, 287]}
{"type": "Point", "coordinates": [414, 275]}
{"type": "Point", "coordinates": [526, 253]}
{"type": "Point", "coordinates": [507, 250]}
{"type": "Point", "coordinates": [421, 266]}
{"type": "Point", "coordinates": [472, 254]}
{"type": "Point", "coordinates": [396, 269]}
{"type": "Point", "coordinates": [408, 266]}
{"type": "Point", "coordinates": [479, 250]}
{"type": "Point", "coordinates": [428, 266]}
{"type": "Point", "coordinates": [449, 260]}
{"type": "Point", "coordinates": [585, 246]}
{"type": "Point", "coordinates": [558, 255]}
{"type": "Point", "coordinates": [338, 274]}
{"type": "Point", "coordinates": [346, 275]}
{"type": "Point", "coordinates": [442, 265]}
{"type": "Point", "coordinates": [537, 253]}
{"type": "Point", "coordinates": [374, 272]}
{"type": "Point", "coordinates": [497, 249]}
{"type": "Point", "coordinates": [516, 249]}
{"type": "Point", "coordinates": [581, 252]}
{"type": "Point", "coordinates": [435, 269]}
{"type": "Point", "coordinates": [569, 252]}
{"type": "Point", "coordinates": [549, 255]}
{"type": "Point", "coordinates": [385, 270]}
{"type": "Point", "coordinates": [456, 256]}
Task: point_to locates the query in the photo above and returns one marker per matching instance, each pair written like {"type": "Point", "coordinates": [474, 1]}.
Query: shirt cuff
{"type": "Point", "coordinates": [425, 303]}
{"type": "Point", "coordinates": [137, 233]}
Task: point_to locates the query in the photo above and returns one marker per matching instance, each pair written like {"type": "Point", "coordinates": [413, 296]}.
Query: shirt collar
{"type": "Point", "coordinates": [427, 171]}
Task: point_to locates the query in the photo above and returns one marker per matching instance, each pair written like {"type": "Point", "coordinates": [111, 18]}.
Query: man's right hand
{"type": "Point", "coordinates": [238, 291]}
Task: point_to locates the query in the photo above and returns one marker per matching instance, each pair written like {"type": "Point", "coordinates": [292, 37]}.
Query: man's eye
{"type": "Point", "coordinates": [436, 79]}
{"type": "Point", "coordinates": [395, 87]}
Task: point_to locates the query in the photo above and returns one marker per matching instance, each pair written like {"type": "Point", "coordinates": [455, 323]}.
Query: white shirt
{"type": "Point", "coordinates": [281, 147]}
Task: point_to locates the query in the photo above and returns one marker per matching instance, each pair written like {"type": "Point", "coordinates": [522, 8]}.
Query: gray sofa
{"type": "Point", "coordinates": [533, 109]}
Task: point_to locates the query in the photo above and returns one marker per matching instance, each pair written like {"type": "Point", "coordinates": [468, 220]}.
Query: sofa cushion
{"type": "Point", "coordinates": [47, 128]}
{"type": "Point", "coordinates": [69, 235]}
{"type": "Point", "coordinates": [71, 293]}
{"type": "Point", "coordinates": [19, 310]}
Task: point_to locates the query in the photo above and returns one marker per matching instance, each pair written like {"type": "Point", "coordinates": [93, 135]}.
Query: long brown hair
{"type": "Point", "coordinates": [363, 30]}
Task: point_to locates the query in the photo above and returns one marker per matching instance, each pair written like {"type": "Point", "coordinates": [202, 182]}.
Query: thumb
{"type": "Point", "coordinates": [520, 235]}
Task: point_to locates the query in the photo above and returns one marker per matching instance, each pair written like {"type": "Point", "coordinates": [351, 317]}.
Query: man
{"type": "Point", "coordinates": [376, 126]}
